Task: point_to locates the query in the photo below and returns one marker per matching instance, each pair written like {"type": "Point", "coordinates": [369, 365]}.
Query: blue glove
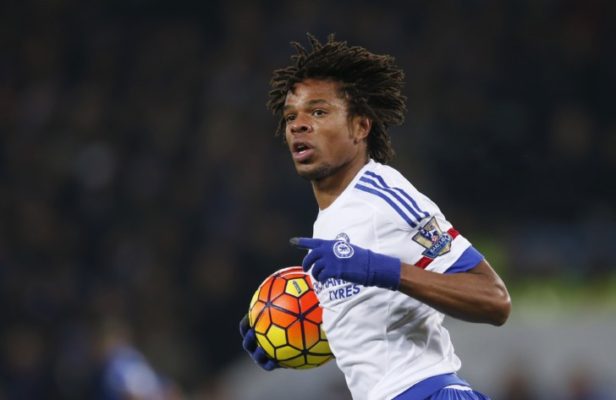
{"type": "Point", "coordinates": [255, 351]}
{"type": "Point", "coordinates": [339, 259]}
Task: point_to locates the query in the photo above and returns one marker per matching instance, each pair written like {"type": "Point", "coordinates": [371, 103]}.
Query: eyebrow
{"type": "Point", "coordinates": [309, 103]}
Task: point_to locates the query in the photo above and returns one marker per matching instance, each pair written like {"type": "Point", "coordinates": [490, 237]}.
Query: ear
{"type": "Point", "coordinates": [361, 127]}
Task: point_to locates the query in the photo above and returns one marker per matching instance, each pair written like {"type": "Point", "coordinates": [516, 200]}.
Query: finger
{"type": "Point", "coordinates": [317, 271]}
{"type": "Point", "coordinates": [260, 356]}
{"type": "Point", "coordinates": [305, 243]}
{"type": "Point", "coordinates": [263, 359]}
{"type": "Point", "coordinates": [244, 325]}
{"type": "Point", "coordinates": [250, 341]}
{"type": "Point", "coordinates": [270, 365]}
{"type": "Point", "coordinates": [327, 273]}
{"type": "Point", "coordinates": [310, 259]}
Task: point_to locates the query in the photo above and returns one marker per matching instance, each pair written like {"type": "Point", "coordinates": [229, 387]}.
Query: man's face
{"type": "Point", "coordinates": [321, 137]}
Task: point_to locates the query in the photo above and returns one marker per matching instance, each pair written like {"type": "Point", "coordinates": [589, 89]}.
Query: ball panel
{"type": "Point", "coordinates": [254, 312]}
{"type": "Point", "coordinates": [296, 287]}
{"type": "Point", "coordinates": [308, 302]}
{"type": "Point", "coordinates": [266, 345]}
{"type": "Point", "coordinates": [290, 271]}
{"type": "Point", "coordinates": [287, 302]}
{"type": "Point", "coordinates": [277, 336]}
{"type": "Point", "coordinates": [287, 352]}
{"type": "Point", "coordinates": [311, 333]}
{"type": "Point", "coordinates": [255, 297]}
{"type": "Point", "coordinates": [321, 348]}
{"type": "Point", "coordinates": [282, 318]}
{"type": "Point", "coordinates": [264, 289]}
{"type": "Point", "coordinates": [317, 360]}
{"type": "Point", "coordinates": [296, 362]}
{"type": "Point", "coordinates": [263, 322]}
{"type": "Point", "coordinates": [316, 315]}
{"type": "Point", "coordinates": [307, 366]}
{"type": "Point", "coordinates": [278, 286]}
{"type": "Point", "coordinates": [294, 335]}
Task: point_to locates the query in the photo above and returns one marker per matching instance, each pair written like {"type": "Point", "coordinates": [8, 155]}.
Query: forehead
{"type": "Point", "coordinates": [314, 89]}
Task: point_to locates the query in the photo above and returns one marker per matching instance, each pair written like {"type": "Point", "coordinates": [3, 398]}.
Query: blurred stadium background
{"type": "Point", "coordinates": [143, 196]}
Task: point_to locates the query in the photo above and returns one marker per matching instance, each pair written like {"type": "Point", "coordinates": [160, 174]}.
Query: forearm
{"type": "Point", "coordinates": [478, 295]}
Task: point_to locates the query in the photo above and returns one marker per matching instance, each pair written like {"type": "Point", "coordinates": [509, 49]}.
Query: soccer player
{"type": "Point", "coordinates": [385, 262]}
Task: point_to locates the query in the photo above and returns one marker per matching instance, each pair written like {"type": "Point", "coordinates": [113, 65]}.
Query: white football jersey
{"type": "Point", "coordinates": [385, 341]}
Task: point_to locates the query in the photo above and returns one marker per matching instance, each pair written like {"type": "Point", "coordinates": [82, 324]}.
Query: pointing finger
{"type": "Point", "coordinates": [305, 243]}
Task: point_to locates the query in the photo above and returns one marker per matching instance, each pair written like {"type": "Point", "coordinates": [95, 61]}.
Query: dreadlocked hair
{"type": "Point", "coordinates": [371, 83]}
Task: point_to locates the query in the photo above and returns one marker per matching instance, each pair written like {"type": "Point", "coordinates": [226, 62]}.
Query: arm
{"type": "Point", "coordinates": [478, 295]}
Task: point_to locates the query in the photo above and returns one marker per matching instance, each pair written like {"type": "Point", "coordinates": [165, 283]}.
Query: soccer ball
{"type": "Point", "coordinates": [286, 316]}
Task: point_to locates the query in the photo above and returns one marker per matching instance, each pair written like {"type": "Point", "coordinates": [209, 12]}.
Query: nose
{"type": "Point", "coordinates": [300, 125]}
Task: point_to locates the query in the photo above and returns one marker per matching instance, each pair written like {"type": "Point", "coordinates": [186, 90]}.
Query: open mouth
{"type": "Point", "coordinates": [299, 147]}
{"type": "Point", "coordinates": [301, 151]}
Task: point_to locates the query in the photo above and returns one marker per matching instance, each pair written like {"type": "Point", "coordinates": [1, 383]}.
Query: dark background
{"type": "Point", "coordinates": [141, 185]}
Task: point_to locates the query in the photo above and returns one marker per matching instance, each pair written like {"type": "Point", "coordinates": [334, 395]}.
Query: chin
{"type": "Point", "coordinates": [315, 172]}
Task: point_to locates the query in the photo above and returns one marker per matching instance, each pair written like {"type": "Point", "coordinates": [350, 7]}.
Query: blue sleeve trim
{"type": "Point", "coordinates": [467, 261]}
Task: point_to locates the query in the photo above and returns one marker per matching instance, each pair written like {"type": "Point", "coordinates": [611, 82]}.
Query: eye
{"type": "Point", "coordinates": [319, 113]}
{"type": "Point", "coordinates": [289, 117]}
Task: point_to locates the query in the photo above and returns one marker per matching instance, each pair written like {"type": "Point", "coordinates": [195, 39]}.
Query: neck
{"type": "Point", "coordinates": [327, 190]}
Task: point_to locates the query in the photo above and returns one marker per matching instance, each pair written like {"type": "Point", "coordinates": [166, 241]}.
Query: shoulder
{"type": "Point", "coordinates": [389, 192]}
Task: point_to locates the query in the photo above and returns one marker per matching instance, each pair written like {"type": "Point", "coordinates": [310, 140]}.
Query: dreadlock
{"type": "Point", "coordinates": [372, 85]}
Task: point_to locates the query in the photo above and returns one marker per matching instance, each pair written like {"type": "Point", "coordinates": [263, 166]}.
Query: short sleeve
{"type": "Point", "coordinates": [439, 247]}
{"type": "Point", "coordinates": [412, 226]}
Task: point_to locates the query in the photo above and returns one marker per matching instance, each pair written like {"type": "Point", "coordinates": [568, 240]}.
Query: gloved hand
{"type": "Point", "coordinates": [251, 346]}
{"type": "Point", "coordinates": [339, 259]}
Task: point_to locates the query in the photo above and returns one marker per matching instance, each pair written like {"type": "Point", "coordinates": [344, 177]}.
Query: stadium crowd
{"type": "Point", "coordinates": [143, 196]}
